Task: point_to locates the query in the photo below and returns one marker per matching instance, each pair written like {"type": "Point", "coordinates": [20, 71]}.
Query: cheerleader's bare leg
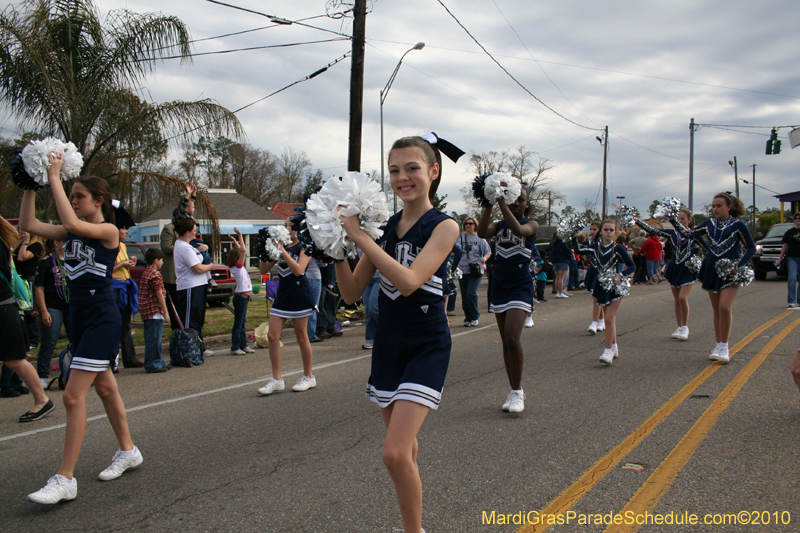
{"type": "Point", "coordinates": [722, 304]}
{"type": "Point", "coordinates": [80, 381]}
{"type": "Point", "coordinates": [611, 323]}
{"type": "Point", "coordinates": [403, 421]}
{"type": "Point", "coordinates": [276, 324]}
{"type": "Point", "coordinates": [106, 388]}
{"type": "Point", "coordinates": [510, 324]}
{"type": "Point", "coordinates": [301, 332]}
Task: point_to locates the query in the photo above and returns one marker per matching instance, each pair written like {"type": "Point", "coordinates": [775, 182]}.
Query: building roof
{"type": "Point", "coordinates": [285, 210]}
{"type": "Point", "coordinates": [789, 197]}
{"type": "Point", "coordinates": [229, 205]}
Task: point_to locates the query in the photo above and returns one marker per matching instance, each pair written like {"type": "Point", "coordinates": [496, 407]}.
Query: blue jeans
{"type": "Point", "coordinates": [153, 352]}
{"type": "Point", "coordinates": [370, 299]}
{"type": "Point", "coordinates": [239, 333]}
{"type": "Point", "coordinates": [50, 337]}
{"type": "Point", "coordinates": [792, 264]}
{"type": "Point", "coordinates": [469, 297]}
{"type": "Point", "coordinates": [315, 286]}
{"type": "Point", "coordinates": [652, 267]}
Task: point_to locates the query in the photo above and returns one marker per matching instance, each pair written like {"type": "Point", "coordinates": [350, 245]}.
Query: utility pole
{"type": "Point", "coordinates": [736, 175]}
{"type": "Point", "coordinates": [549, 204]}
{"type": "Point", "coordinates": [691, 166]}
{"type": "Point", "coordinates": [357, 85]}
{"type": "Point", "coordinates": [754, 200]}
{"type": "Point", "coordinates": [605, 160]}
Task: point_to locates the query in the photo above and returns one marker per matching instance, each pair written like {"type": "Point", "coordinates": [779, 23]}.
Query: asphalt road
{"type": "Point", "coordinates": [711, 439]}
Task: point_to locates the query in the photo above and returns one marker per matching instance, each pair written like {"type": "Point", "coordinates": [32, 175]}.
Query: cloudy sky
{"type": "Point", "coordinates": [644, 69]}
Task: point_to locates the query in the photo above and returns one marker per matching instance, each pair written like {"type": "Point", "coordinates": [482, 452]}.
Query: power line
{"type": "Point", "coordinates": [508, 73]}
{"type": "Point", "coordinates": [287, 45]}
{"type": "Point", "coordinates": [661, 78]}
{"type": "Point", "coordinates": [276, 19]}
{"type": "Point", "coordinates": [540, 65]}
{"type": "Point", "coordinates": [249, 31]}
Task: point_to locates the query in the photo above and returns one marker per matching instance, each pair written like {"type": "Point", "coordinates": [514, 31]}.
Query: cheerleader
{"type": "Point", "coordinates": [722, 237]}
{"type": "Point", "coordinates": [598, 314]}
{"type": "Point", "coordinates": [608, 257]}
{"type": "Point", "coordinates": [91, 243]}
{"type": "Point", "coordinates": [293, 300]}
{"type": "Point", "coordinates": [678, 274]}
{"type": "Point", "coordinates": [412, 345]}
{"type": "Point", "coordinates": [512, 284]}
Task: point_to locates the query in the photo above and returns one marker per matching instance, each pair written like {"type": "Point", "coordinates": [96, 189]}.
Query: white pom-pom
{"type": "Point", "coordinates": [34, 157]}
{"type": "Point", "coordinates": [280, 234]}
{"type": "Point", "coordinates": [502, 185]}
{"type": "Point", "coordinates": [352, 194]}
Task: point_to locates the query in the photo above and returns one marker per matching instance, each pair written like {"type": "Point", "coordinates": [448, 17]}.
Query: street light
{"type": "Point", "coordinates": [384, 93]}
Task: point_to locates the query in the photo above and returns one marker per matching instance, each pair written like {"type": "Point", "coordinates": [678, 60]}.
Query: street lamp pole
{"type": "Point", "coordinates": [384, 93]}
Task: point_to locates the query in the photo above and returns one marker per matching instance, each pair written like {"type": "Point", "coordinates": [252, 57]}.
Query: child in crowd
{"type": "Point", "coordinates": [541, 280]}
{"type": "Point", "coordinates": [244, 288]}
{"type": "Point", "coordinates": [153, 309]}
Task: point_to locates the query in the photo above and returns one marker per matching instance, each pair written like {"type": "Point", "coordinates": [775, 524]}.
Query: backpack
{"type": "Point", "coordinates": [20, 288]}
{"type": "Point", "coordinates": [185, 348]}
{"type": "Point", "coordinates": [64, 362]}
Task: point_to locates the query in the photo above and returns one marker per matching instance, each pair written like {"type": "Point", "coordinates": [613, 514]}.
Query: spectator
{"type": "Point", "coordinates": [52, 295]}
{"type": "Point", "coordinates": [326, 309]}
{"type": "Point", "coordinates": [27, 257]}
{"type": "Point", "coordinates": [153, 309]}
{"type": "Point", "coordinates": [559, 255]}
{"type": "Point", "coordinates": [791, 251]}
{"type": "Point", "coordinates": [314, 275]}
{"type": "Point", "coordinates": [126, 294]}
{"type": "Point", "coordinates": [652, 250]}
{"type": "Point", "coordinates": [452, 285]}
{"type": "Point", "coordinates": [472, 265]}
{"type": "Point", "coordinates": [241, 297]}
{"type": "Point", "coordinates": [190, 273]}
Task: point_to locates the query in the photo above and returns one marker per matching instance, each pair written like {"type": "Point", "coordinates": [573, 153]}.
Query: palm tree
{"type": "Point", "coordinates": [62, 72]}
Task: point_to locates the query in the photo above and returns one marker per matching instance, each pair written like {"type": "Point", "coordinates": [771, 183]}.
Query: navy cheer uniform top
{"type": "Point", "coordinates": [293, 299]}
{"type": "Point", "coordinates": [676, 271]}
{"type": "Point", "coordinates": [512, 283]}
{"type": "Point", "coordinates": [96, 322]}
{"type": "Point", "coordinates": [722, 239]}
{"type": "Point", "coordinates": [606, 258]}
{"type": "Point", "coordinates": [411, 351]}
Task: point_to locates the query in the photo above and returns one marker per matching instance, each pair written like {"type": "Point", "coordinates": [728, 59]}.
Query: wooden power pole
{"type": "Point", "coordinates": [357, 85]}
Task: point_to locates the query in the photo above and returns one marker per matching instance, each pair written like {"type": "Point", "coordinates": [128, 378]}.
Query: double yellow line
{"type": "Point", "coordinates": [658, 483]}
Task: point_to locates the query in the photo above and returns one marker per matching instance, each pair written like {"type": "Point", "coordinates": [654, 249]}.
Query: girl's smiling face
{"type": "Point", "coordinates": [82, 202]}
{"type": "Point", "coordinates": [410, 176]}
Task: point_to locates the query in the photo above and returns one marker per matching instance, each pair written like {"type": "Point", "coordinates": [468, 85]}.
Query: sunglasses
{"type": "Point", "coordinates": [469, 223]}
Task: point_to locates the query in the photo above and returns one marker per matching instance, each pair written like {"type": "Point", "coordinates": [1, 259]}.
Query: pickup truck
{"type": "Point", "coordinates": [221, 274]}
{"type": "Point", "coordinates": [768, 250]}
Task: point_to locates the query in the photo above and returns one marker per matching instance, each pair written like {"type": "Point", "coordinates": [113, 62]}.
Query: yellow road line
{"type": "Point", "coordinates": [662, 477]}
{"type": "Point", "coordinates": [601, 468]}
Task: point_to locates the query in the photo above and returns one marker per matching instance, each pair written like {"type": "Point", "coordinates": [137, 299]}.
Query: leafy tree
{"type": "Point", "coordinates": [439, 203]}
{"type": "Point", "coordinates": [64, 72]}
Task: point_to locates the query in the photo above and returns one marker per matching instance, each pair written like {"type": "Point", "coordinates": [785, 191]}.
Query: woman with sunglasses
{"type": "Point", "coordinates": [473, 264]}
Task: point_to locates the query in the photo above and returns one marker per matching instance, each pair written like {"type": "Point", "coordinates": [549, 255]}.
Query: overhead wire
{"type": "Point", "coordinates": [276, 18]}
{"type": "Point", "coordinates": [250, 48]}
{"type": "Point", "coordinates": [508, 73]}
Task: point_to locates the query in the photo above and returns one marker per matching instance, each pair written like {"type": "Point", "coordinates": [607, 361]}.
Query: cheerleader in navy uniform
{"type": "Point", "coordinates": [598, 315]}
{"type": "Point", "coordinates": [677, 272]}
{"type": "Point", "coordinates": [293, 300]}
{"type": "Point", "coordinates": [512, 284]}
{"type": "Point", "coordinates": [608, 256]}
{"type": "Point", "coordinates": [722, 237]}
{"type": "Point", "coordinates": [412, 345]}
{"type": "Point", "coordinates": [91, 243]}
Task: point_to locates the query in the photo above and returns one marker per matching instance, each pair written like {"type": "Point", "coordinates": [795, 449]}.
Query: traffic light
{"type": "Point", "coordinates": [773, 144]}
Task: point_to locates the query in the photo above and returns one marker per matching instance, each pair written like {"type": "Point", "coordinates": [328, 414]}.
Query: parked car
{"type": "Point", "coordinates": [221, 274]}
{"type": "Point", "coordinates": [768, 250]}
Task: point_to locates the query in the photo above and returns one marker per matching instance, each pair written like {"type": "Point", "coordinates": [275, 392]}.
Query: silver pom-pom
{"type": "Point", "coordinates": [494, 188]}
{"type": "Point", "coordinates": [280, 234]}
{"type": "Point", "coordinates": [352, 194]}
{"type": "Point", "coordinates": [725, 268]}
{"type": "Point", "coordinates": [34, 157]}
{"type": "Point", "coordinates": [623, 287]}
{"type": "Point", "coordinates": [694, 263]}
{"type": "Point", "coordinates": [570, 226]}
{"type": "Point", "coordinates": [668, 208]}
{"type": "Point", "coordinates": [454, 274]}
{"type": "Point", "coordinates": [607, 279]}
{"type": "Point", "coordinates": [743, 276]}
{"type": "Point", "coordinates": [626, 216]}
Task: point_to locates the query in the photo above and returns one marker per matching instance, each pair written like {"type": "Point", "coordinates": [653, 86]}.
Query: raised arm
{"type": "Point", "coordinates": [28, 222]}
{"type": "Point", "coordinates": [653, 230]}
{"type": "Point", "coordinates": [520, 230]}
{"type": "Point", "coordinates": [299, 266]}
{"type": "Point", "coordinates": [486, 228]}
{"type": "Point", "coordinates": [353, 282]}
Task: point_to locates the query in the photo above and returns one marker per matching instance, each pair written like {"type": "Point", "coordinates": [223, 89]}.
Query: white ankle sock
{"type": "Point", "coordinates": [130, 452]}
